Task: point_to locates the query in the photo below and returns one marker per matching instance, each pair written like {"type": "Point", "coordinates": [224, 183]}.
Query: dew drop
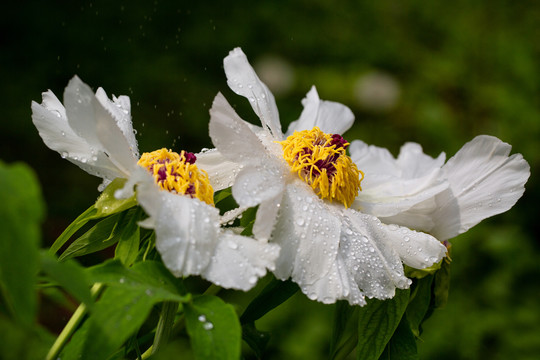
{"type": "Point", "coordinates": [208, 326]}
{"type": "Point", "coordinates": [201, 318]}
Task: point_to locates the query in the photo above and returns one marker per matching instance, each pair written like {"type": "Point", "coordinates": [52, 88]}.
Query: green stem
{"type": "Point", "coordinates": [72, 325]}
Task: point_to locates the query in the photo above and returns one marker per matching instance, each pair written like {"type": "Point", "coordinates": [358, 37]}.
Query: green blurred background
{"type": "Point", "coordinates": [429, 72]}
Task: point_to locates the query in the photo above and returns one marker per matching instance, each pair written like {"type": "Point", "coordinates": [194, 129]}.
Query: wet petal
{"type": "Point", "coordinates": [221, 172]}
{"type": "Point", "coordinates": [308, 235]}
{"type": "Point", "coordinates": [120, 109]}
{"type": "Point", "coordinates": [243, 80]}
{"type": "Point", "coordinates": [231, 135]}
{"type": "Point", "coordinates": [240, 261]}
{"type": "Point", "coordinates": [51, 121]}
{"type": "Point", "coordinates": [266, 217]}
{"type": "Point", "coordinates": [331, 117]}
{"type": "Point", "coordinates": [186, 229]}
{"type": "Point", "coordinates": [258, 183]}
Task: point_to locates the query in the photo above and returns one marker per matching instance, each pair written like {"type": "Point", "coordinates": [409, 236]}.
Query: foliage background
{"type": "Point", "coordinates": [462, 69]}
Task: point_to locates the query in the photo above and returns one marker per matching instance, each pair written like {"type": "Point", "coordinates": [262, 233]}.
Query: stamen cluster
{"type": "Point", "coordinates": [320, 160]}
{"type": "Point", "coordinates": [178, 173]}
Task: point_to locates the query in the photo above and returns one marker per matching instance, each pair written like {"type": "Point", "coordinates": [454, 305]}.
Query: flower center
{"type": "Point", "coordinates": [178, 173]}
{"type": "Point", "coordinates": [321, 161]}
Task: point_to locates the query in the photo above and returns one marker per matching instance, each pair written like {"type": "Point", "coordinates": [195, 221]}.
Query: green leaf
{"type": "Point", "coordinates": [213, 328]}
{"type": "Point", "coordinates": [115, 317]}
{"type": "Point", "coordinates": [128, 240]}
{"type": "Point", "coordinates": [107, 204]}
{"type": "Point", "coordinates": [70, 275]}
{"type": "Point", "coordinates": [345, 327]}
{"type": "Point", "coordinates": [124, 306]}
{"type": "Point", "coordinates": [99, 237]}
{"type": "Point", "coordinates": [377, 321]}
{"type": "Point", "coordinates": [21, 213]}
{"type": "Point", "coordinates": [274, 294]}
{"type": "Point", "coordinates": [78, 223]}
{"type": "Point", "coordinates": [222, 195]}
{"type": "Point", "coordinates": [441, 285]}
{"type": "Point", "coordinates": [152, 277]}
{"type": "Point", "coordinates": [20, 342]}
{"type": "Point", "coordinates": [419, 304]}
{"type": "Point", "coordinates": [402, 345]}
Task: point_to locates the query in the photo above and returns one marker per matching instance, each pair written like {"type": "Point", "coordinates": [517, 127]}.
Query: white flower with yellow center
{"type": "Point", "coordinates": [303, 184]}
{"type": "Point", "coordinates": [480, 181]}
{"type": "Point", "coordinates": [96, 134]}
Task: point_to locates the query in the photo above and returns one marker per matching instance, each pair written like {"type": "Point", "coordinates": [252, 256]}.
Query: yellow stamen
{"type": "Point", "coordinates": [321, 161]}
{"type": "Point", "coordinates": [177, 173]}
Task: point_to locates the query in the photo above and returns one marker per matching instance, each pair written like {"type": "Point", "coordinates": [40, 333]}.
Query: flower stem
{"type": "Point", "coordinates": [72, 325]}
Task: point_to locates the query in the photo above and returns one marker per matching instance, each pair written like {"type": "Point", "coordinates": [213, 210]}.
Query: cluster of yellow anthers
{"type": "Point", "coordinates": [321, 161]}
{"type": "Point", "coordinates": [178, 173]}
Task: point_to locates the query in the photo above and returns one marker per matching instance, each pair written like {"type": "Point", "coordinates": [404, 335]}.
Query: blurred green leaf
{"type": "Point", "coordinates": [213, 328]}
{"type": "Point", "coordinates": [419, 304]}
{"type": "Point", "coordinates": [402, 345]}
{"type": "Point", "coordinates": [128, 240]}
{"type": "Point", "coordinates": [21, 213]}
{"type": "Point", "coordinates": [377, 321]}
{"type": "Point", "coordinates": [69, 275]}
{"type": "Point", "coordinates": [20, 342]}
{"type": "Point", "coordinates": [222, 195]}
{"type": "Point", "coordinates": [274, 294]}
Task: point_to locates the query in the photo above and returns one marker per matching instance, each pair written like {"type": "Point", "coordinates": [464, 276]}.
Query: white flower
{"type": "Point", "coordinates": [480, 181]}
{"type": "Point", "coordinates": [331, 251]}
{"type": "Point", "coordinates": [96, 134]}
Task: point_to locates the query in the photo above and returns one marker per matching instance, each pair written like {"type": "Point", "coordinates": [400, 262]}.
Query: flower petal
{"type": "Point", "coordinates": [51, 121]}
{"type": "Point", "coordinates": [120, 109]}
{"type": "Point", "coordinates": [484, 181]}
{"type": "Point", "coordinates": [231, 135]}
{"type": "Point", "coordinates": [186, 229]}
{"type": "Point", "coordinates": [258, 183]}
{"type": "Point", "coordinates": [91, 121]}
{"type": "Point", "coordinates": [393, 186]}
{"type": "Point", "coordinates": [221, 172]}
{"type": "Point", "coordinates": [266, 217]}
{"type": "Point", "coordinates": [240, 261]}
{"type": "Point", "coordinates": [243, 80]}
{"type": "Point", "coordinates": [331, 117]}
{"type": "Point", "coordinates": [308, 235]}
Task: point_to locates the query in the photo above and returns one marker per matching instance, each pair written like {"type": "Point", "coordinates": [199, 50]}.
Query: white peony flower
{"type": "Point", "coordinates": [480, 181]}
{"type": "Point", "coordinates": [303, 184]}
{"type": "Point", "coordinates": [96, 134]}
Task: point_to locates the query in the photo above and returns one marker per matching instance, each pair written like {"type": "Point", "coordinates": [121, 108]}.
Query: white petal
{"type": "Point", "coordinates": [393, 186]}
{"type": "Point", "coordinates": [266, 217]}
{"type": "Point", "coordinates": [221, 172]}
{"type": "Point", "coordinates": [375, 264]}
{"type": "Point", "coordinates": [51, 121]}
{"type": "Point", "coordinates": [243, 80]}
{"type": "Point", "coordinates": [186, 229]}
{"type": "Point", "coordinates": [258, 183]}
{"type": "Point", "coordinates": [240, 261]}
{"type": "Point", "coordinates": [484, 181]}
{"type": "Point", "coordinates": [231, 135]}
{"type": "Point", "coordinates": [331, 117]}
{"type": "Point", "coordinates": [308, 235]}
{"type": "Point", "coordinates": [120, 109]}
{"type": "Point", "coordinates": [91, 121]}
